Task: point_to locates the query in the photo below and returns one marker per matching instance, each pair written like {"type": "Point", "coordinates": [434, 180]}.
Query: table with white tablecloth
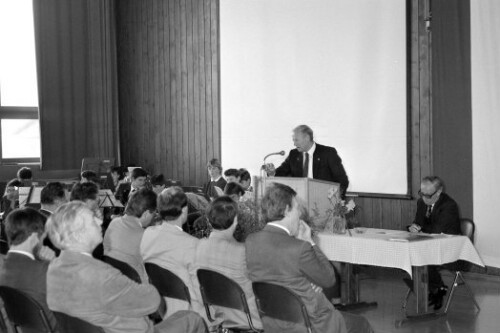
{"type": "Point", "coordinates": [399, 249]}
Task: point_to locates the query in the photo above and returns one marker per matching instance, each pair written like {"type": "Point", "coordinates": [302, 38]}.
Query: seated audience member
{"type": "Point", "coordinates": [245, 180]}
{"type": "Point", "coordinates": [123, 237]}
{"type": "Point", "coordinates": [25, 176]}
{"type": "Point", "coordinates": [436, 213]}
{"type": "Point", "coordinates": [214, 168]}
{"type": "Point", "coordinates": [10, 199]}
{"type": "Point", "coordinates": [223, 254]}
{"type": "Point", "coordinates": [117, 174]}
{"type": "Point", "coordinates": [96, 292]}
{"type": "Point", "coordinates": [87, 193]}
{"type": "Point", "coordinates": [52, 196]}
{"type": "Point", "coordinates": [138, 178]}
{"type": "Point", "coordinates": [159, 183]}
{"type": "Point", "coordinates": [234, 190]}
{"type": "Point", "coordinates": [25, 266]}
{"type": "Point", "coordinates": [171, 248]}
{"type": "Point", "coordinates": [89, 176]}
{"type": "Point", "coordinates": [285, 254]}
{"type": "Point", "coordinates": [249, 220]}
{"type": "Point", "coordinates": [232, 175]}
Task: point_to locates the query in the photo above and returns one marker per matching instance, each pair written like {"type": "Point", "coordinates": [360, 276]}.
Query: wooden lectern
{"type": "Point", "coordinates": [311, 193]}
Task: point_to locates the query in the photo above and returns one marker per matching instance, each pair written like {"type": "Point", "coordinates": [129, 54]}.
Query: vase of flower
{"type": "Point", "coordinates": [339, 224]}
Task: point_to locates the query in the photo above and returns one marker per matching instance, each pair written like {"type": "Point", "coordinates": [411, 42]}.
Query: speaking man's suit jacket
{"type": "Point", "coordinates": [29, 276]}
{"type": "Point", "coordinates": [444, 217]}
{"type": "Point", "coordinates": [327, 165]}
{"type": "Point", "coordinates": [275, 257]}
{"type": "Point", "coordinates": [122, 241]}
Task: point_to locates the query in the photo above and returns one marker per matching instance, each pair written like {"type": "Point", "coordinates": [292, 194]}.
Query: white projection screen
{"type": "Point", "coordinates": [338, 66]}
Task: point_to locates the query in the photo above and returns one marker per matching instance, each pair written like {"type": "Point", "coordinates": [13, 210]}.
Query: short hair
{"type": "Point", "coordinates": [90, 175]}
{"type": "Point", "coordinates": [24, 173]}
{"type": "Point", "coordinates": [68, 225]}
{"type": "Point", "coordinates": [232, 172]}
{"type": "Point", "coordinates": [221, 212]}
{"type": "Point", "coordinates": [234, 188]}
{"type": "Point", "coordinates": [244, 174]}
{"type": "Point", "coordinates": [85, 191]}
{"type": "Point", "coordinates": [21, 223]}
{"type": "Point", "coordinates": [51, 192]}
{"type": "Point", "coordinates": [275, 201]}
{"type": "Point", "coordinates": [435, 180]}
{"type": "Point", "coordinates": [138, 172]}
{"type": "Point", "coordinates": [215, 163]}
{"type": "Point", "coordinates": [141, 201]}
{"type": "Point", "coordinates": [170, 203]}
{"type": "Point", "coordinates": [119, 170]}
{"type": "Point", "coordinates": [304, 129]}
{"type": "Point", "coordinates": [158, 180]}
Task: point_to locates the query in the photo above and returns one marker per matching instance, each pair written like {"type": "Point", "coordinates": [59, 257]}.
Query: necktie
{"type": "Point", "coordinates": [305, 170]}
{"type": "Point", "coordinates": [428, 212]}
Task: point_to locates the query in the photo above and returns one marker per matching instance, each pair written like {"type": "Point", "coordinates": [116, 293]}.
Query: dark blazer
{"type": "Point", "coordinates": [27, 275]}
{"type": "Point", "coordinates": [327, 165]}
{"type": "Point", "coordinates": [209, 190]}
{"type": "Point", "coordinates": [275, 257]}
{"type": "Point", "coordinates": [444, 216]}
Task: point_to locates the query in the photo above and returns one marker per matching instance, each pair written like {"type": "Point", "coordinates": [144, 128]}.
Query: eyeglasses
{"type": "Point", "coordinates": [427, 196]}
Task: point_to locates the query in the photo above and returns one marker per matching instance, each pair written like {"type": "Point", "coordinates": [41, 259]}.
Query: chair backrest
{"type": "Point", "coordinates": [167, 283]}
{"type": "Point", "coordinates": [280, 303]}
{"type": "Point", "coordinates": [123, 267]}
{"type": "Point", "coordinates": [67, 323]}
{"type": "Point", "coordinates": [467, 227]}
{"type": "Point", "coordinates": [24, 311]}
{"type": "Point", "coordinates": [217, 289]}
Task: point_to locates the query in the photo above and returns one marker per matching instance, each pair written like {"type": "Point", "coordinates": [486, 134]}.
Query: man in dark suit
{"type": "Point", "coordinates": [310, 159]}
{"type": "Point", "coordinates": [216, 182]}
{"type": "Point", "coordinates": [138, 179]}
{"type": "Point", "coordinates": [25, 266]}
{"type": "Point", "coordinates": [436, 213]}
{"type": "Point", "coordinates": [285, 254]}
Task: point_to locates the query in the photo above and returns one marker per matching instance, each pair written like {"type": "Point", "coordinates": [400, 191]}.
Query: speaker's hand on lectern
{"type": "Point", "coordinates": [270, 169]}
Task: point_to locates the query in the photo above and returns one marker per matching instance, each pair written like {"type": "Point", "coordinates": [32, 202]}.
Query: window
{"type": "Point", "coordinates": [19, 124]}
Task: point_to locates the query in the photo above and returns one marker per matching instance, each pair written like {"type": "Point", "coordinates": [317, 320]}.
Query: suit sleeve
{"type": "Point", "coordinates": [285, 169]}
{"type": "Point", "coordinates": [337, 169]}
{"type": "Point", "coordinates": [316, 266]}
{"type": "Point", "coordinates": [124, 297]}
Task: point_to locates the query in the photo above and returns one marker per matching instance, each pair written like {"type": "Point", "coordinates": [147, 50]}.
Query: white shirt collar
{"type": "Point", "coordinates": [277, 225]}
{"type": "Point", "coordinates": [216, 180]}
{"type": "Point", "coordinates": [86, 254]}
{"type": "Point", "coordinates": [311, 150]}
{"type": "Point", "coordinates": [23, 253]}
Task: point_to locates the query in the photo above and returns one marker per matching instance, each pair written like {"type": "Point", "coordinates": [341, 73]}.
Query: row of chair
{"type": "Point", "coordinates": [216, 289]}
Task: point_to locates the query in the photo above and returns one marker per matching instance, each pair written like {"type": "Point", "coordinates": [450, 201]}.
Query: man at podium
{"type": "Point", "coordinates": [312, 160]}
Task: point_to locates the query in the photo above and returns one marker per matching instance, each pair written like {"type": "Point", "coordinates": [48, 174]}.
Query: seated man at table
{"type": "Point", "coordinates": [123, 237]}
{"type": "Point", "coordinates": [436, 213]}
{"type": "Point", "coordinates": [285, 254]}
{"type": "Point", "coordinates": [96, 292]}
{"type": "Point", "coordinates": [217, 183]}
{"type": "Point", "coordinates": [223, 254]}
{"type": "Point", "coordinates": [26, 263]}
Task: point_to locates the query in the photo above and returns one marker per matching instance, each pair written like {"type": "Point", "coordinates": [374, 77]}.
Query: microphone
{"type": "Point", "coordinates": [282, 153]}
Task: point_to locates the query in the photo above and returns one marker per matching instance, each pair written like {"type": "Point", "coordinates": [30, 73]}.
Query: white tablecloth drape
{"type": "Point", "coordinates": [398, 249]}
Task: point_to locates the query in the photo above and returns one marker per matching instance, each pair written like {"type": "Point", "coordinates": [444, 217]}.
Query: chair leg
{"type": "Point", "coordinates": [405, 302]}
{"type": "Point", "coordinates": [469, 291]}
{"type": "Point", "coordinates": [452, 292]}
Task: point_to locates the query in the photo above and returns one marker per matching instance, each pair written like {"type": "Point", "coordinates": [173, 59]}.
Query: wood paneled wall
{"type": "Point", "coordinates": [76, 65]}
{"type": "Point", "coordinates": [168, 65]}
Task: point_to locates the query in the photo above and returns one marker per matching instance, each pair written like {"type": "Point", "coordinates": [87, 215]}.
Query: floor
{"type": "Point", "coordinates": [387, 288]}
